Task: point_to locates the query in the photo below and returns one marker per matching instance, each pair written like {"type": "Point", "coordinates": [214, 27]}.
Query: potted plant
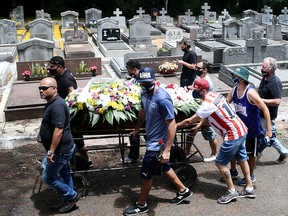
{"type": "Point", "coordinates": [168, 67]}
{"type": "Point", "coordinates": [26, 75]}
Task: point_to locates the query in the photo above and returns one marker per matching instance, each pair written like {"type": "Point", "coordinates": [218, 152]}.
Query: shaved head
{"type": "Point", "coordinates": [48, 81]}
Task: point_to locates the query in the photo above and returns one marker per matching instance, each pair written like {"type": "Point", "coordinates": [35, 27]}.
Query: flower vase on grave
{"type": "Point", "coordinates": [27, 78]}
{"type": "Point", "coordinates": [94, 73]}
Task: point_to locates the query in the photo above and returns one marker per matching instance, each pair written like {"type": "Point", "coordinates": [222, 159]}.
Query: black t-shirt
{"type": "Point", "coordinates": [56, 115]}
{"type": "Point", "coordinates": [270, 89]}
{"type": "Point", "coordinates": [64, 82]}
{"type": "Point", "coordinates": [191, 58]}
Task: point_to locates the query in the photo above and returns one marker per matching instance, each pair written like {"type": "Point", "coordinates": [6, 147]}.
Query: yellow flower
{"type": "Point", "coordinates": [80, 106]}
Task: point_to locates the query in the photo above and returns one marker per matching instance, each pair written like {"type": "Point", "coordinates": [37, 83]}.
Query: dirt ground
{"type": "Point", "coordinates": [19, 171]}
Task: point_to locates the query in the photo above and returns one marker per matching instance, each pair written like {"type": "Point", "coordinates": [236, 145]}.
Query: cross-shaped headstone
{"type": "Point", "coordinates": [189, 13]}
{"type": "Point", "coordinates": [140, 11]}
{"type": "Point", "coordinates": [206, 7]}
{"type": "Point", "coordinates": [163, 12]}
{"type": "Point", "coordinates": [285, 11]}
{"type": "Point", "coordinates": [225, 13]}
{"type": "Point", "coordinates": [257, 42]}
{"type": "Point", "coordinates": [268, 10]}
{"type": "Point", "coordinates": [76, 30]}
{"type": "Point", "coordinates": [42, 13]}
{"type": "Point", "coordinates": [117, 12]}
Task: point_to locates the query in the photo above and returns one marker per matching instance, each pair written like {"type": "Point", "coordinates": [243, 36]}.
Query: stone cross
{"type": "Point", "coordinates": [163, 12]}
{"type": "Point", "coordinates": [75, 25]}
{"type": "Point", "coordinates": [268, 10]}
{"type": "Point", "coordinates": [189, 13]}
{"type": "Point", "coordinates": [1, 33]}
{"type": "Point", "coordinates": [117, 12]}
{"type": "Point", "coordinates": [225, 13]}
{"type": "Point", "coordinates": [257, 42]}
{"type": "Point", "coordinates": [206, 7]}
{"type": "Point", "coordinates": [140, 11]}
{"type": "Point", "coordinates": [285, 11]}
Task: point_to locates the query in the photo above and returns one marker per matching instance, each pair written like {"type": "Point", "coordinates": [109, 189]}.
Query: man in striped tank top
{"type": "Point", "coordinates": [248, 104]}
{"type": "Point", "coordinates": [223, 119]}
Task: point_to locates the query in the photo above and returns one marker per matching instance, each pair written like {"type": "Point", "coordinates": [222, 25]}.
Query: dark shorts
{"type": "Point", "coordinates": [252, 146]}
{"type": "Point", "coordinates": [151, 166]}
{"type": "Point", "coordinates": [186, 82]}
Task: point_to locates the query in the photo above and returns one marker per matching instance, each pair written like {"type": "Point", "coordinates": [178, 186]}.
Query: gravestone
{"type": "Point", "coordinates": [203, 33]}
{"type": "Point", "coordinates": [186, 19]}
{"type": "Point", "coordinates": [225, 16]}
{"type": "Point", "coordinates": [75, 36]}
{"type": "Point", "coordinates": [4, 71]}
{"type": "Point", "coordinates": [91, 17]}
{"type": "Point", "coordinates": [107, 26]}
{"type": "Point", "coordinates": [283, 18]}
{"type": "Point", "coordinates": [8, 32]}
{"type": "Point", "coordinates": [232, 28]}
{"type": "Point", "coordinates": [35, 49]}
{"type": "Point", "coordinates": [273, 31]}
{"type": "Point", "coordinates": [164, 19]}
{"type": "Point", "coordinates": [267, 17]}
{"type": "Point", "coordinates": [67, 18]}
{"type": "Point", "coordinates": [17, 15]}
{"type": "Point", "coordinates": [41, 28]}
{"type": "Point", "coordinates": [82, 50]}
{"type": "Point", "coordinates": [254, 15]}
{"type": "Point", "coordinates": [8, 53]}
{"type": "Point", "coordinates": [42, 14]}
{"type": "Point", "coordinates": [205, 10]}
{"type": "Point", "coordinates": [139, 31]}
{"type": "Point", "coordinates": [248, 24]}
{"type": "Point", "coordinates": [121, 19]}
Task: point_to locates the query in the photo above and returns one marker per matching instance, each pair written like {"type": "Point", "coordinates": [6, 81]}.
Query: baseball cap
{"type": "Point", "coordinates": [146, 75]}
{"type": "Point", "coordinates": [200, 84]}
{"type": "Point", "coordinates": [242, 72]}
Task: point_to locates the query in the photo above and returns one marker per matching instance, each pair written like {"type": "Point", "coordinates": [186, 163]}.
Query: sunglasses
{"type": "Point", "coordinates": [44, 88]}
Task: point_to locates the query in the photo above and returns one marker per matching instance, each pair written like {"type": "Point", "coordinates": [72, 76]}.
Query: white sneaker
{"type": "Point", "coordinates": [212, 157]}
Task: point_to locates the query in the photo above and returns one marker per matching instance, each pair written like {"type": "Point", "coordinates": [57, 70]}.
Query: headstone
{"type": "Point", "coordinates": [164, 19]}
{"type": "Point", "coordinates": [67, 18]}
{"type": "Point", "coordinates": [41, 28]}
{"type": "Point", "coordinates": [212, 16]}
{"type": "Point", "coordinates": [8, 53]}
{"type": "Point", "coordinates": [84, 50]}
{"type": "Point", "coordinates": [140, 11]}
{"type": "Point", "coordinates": [4, 71]}
{"type": "Point", "coordinates": [17, 15]}
{"type": "Point", "coordinates": [42, 14]}
{"type": "Point", "coordinates": [232, 28]}
{"type": "Point", "coordinates": [273, 31]}
{"type": "Point", "coordinates": [254, 15]}
{"type": "Point", "coordinates": [121, 19]}
{"type": "Point", "coordinates": [139, 31]}
{"type": "Point", "coordinates": [205, 10]}
{"type": "Point", "coordinates": [225, 16]}
{"type": "Point", "coordinates": [174, 35]}
{"type": "Point", "coordinates": [283, 18]}
{"type": "Point", "coordinates": [257, 42]}
{"type": "Point", "coordinates": [186, 19]}
{"type": "Point", "coordinates": [8, 32]}
{"type": "Point", "coordinates": [75, 36]}
{"type": "Point", "coordinates": [91, 17]}
{"type": "Point", "coordinates": [105, 27]}
{"type": "Point", "coordinates": [35, 49]}
{"type": "Point", "coordinates": [204, 32]}
{"type": "Point", "coordinates": [248, 25]}
{"type": "Point", "coordinates": [267, 17]}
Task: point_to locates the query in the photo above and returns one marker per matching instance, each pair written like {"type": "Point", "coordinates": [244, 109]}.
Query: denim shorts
{"type": "Point", "coordinates": [208, 133]}
{"type": "Point", "coordinates": [151, 166]}
{"type": "Point", "coordinates": [229, 149]}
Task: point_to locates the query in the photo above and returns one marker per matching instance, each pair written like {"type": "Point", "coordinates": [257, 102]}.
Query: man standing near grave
{"type": "Point", "coordinates": [223, 119]}
{"type": "Point", "coordinates": [188, 62]}
{"type": "Point", "coordinates": [58, 142]}
{"type": "Point", "coordinates": [67, 83]}
{"type": "Point", "coordinates": [133, 67]}
{"type": "Point", "coordinates": [157, 111]}
{"type": "Point", "coordinates": [270, 90]}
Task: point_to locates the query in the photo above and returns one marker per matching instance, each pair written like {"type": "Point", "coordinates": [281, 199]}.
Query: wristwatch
{"type": "Point", "coordinates": [49, 153]}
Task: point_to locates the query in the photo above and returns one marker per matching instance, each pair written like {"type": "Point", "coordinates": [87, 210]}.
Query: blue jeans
{"type": "Point", "coordinates": [276, 144]}
{"type": "Point", "coordinates": [57, 175]}
{"type": "Point", "coordinates": [229, 149]}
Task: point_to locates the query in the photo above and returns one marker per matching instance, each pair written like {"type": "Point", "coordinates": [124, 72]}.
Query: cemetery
{"type": "Point", "coordinates": [96, 48]}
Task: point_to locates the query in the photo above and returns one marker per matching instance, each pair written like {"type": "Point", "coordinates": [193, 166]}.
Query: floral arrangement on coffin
{"type": "Point", "coordinates": [168, 67]}
{"type": "Point", "coordinates": [117, 100]}
{"type": "Point", "coordinates": [120, 100]}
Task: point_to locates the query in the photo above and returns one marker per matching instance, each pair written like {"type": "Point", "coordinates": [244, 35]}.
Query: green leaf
{"type": "Point", "coordinates": [109, 117]}
{"type": "Point", "coordinates": [123, 116]}
{"type": "Point", "coordinates": [175, 111]}
{"type": "Point", "coordinates": [117, 114]}
{"type": "Point", "coordinates": [93, 118]}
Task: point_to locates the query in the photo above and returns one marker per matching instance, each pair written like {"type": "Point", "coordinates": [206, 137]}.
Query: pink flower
{"type": "Point", "coordinates": [93, 68]}
{"type": "Point", "coordinates": [26, 73]}
{"type": "Point", "coordinates": [160, 142]}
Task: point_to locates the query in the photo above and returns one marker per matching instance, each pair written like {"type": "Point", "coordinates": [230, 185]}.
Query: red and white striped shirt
{"type": "Point", "coordinates": [222, 117]}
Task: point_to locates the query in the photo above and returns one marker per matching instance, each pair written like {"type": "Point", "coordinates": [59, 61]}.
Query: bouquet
{"type": "Point", "coordinates": [168, 67]}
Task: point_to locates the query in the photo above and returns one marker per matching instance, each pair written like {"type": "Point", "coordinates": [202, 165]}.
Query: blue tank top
{"type": "Point", "coordinates": [249, 113]}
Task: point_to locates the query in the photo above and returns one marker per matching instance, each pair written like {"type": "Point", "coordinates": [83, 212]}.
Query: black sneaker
{"type": "Point", "coordinates": [181, 196]}
{"type": "Point", "coordinates": [282, 159]}
{"type": "Point", "coordinates": [228, 197]}
{"type": "Point", "coordinates": [67, 206]}
{"type": "Point", "coordinates": [136, 209]}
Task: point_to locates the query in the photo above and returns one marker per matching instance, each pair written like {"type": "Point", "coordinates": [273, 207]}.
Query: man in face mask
{"type": "Point", "coordinates": [224, 120]}
{"type": "Point", "coordinates": [270, 90]}
{"type": "Point", "coordinates": [188, 62]}
{"type": "Point", "coordinates": [158, 113]}
{"type": "Point", "coordinates": [133, 66]}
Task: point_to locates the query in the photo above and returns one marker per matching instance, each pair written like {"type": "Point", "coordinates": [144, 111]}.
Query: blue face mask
{"type": "Point", "coordinates": [235, 81]}
{"type": "Point", "coordinates": [147, 88]}
{"type": "Point", "coordinates": [196, 94]}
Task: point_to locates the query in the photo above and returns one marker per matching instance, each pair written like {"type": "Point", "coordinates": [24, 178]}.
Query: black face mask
{"type": "Point", "coordinates": [148, 87]}
{"type": "Point", "coordinates": [184, 49]}
{"type": "Point", "coordinates": [199, 73]}
{"type": "Point", "coordinates": [132, 75]}
{"type": "Point", "coordinates": [264, 73]}
{"type": "Point", "coordinates": [196, 94]}
{"type": "Point", "coordinates": [53, 72]}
